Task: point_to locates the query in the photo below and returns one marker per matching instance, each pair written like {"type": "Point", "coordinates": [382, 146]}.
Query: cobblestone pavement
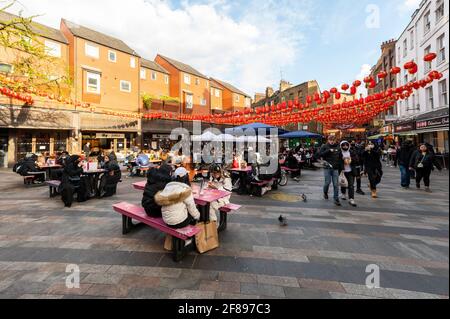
{"type": "Point", "coordinates": [322, 253]}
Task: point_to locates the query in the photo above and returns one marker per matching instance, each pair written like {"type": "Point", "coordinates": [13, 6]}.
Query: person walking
{"type": "Point", "coordinates": [359, 150]}
{"type": "Point", "coordinates": [372, 167]}
{"type": "Point", "coordinates": [423, 162]}
{"type": "Point", "coordinates": [348, 166]}
{"type": "Point", "coordinates": [404, 156]}
{"type": "Point", "coordinates": [332, 155]}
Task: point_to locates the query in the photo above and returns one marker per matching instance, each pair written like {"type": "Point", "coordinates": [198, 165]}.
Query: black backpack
{"type": "Point", "coordinates": [19, 166]}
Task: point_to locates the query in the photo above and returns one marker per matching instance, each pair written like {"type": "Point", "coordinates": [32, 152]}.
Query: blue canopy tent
{"type": "Point", "coordinates": [300, 134]}
{"type": "Point", "coordinates": [256, 127]}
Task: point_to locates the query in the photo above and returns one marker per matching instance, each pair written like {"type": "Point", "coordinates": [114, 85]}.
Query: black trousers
{"type": "Point", "coordinates": [188, 221]}
{"type": "Point", "coordinates": [423, 173]}
{"type": "Point", "coordinates": [351, 186]}
{"type": "Point", "coordinates": [358, 178]}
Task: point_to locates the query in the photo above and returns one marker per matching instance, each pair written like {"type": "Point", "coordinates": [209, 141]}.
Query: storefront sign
{"type": "Point", "coordinates": [386, 129]}
{"type": "Point", "coordinates": [405, 127]}
{"type": "Point", "coordinates": [110, 135]}
{"type": "Point", "coordinates": [161, 136]}
{"type": "Point", "coordinates": [434, 123]}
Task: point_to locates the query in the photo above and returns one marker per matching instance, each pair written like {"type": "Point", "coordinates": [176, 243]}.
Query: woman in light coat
{"type": "Point", "coordinates": [177, 202]}
{"type": "Point", "coordinates": [220, 181]}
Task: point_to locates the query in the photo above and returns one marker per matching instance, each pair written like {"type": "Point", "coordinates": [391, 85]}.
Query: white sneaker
{"type": "Point", "coordinates": [352, 202]}
{"type": "Point", "coordinates": [188, 242]}
{"type": "Point", "coordinates": [344, 197]}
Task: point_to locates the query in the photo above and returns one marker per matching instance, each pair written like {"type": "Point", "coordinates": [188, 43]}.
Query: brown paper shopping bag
{"type": "Point", "coordinates": [168, 243]}
{"type": "Point", "coordinates": [208, 238]}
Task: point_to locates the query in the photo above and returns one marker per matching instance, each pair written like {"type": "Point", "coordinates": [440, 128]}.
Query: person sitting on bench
{"type": "Point", "coordinates": [157, 180]}
{"type": "Point", "coordinates": [142, 161]}
{"type": "Point", "coordinates": [221, 181]}
{"type": "Point", "coordinates": [72, 182]}
{"type": "Point", "coordinates": [29, 165]}
{"type": "Point", "coordinates": [293, 163]}
{"type": "Point", "coordinates": [61, 158]}
{"type": "Point", "coordinates": [177, 202]}
{"type": "Point", "coordinates": [109, 181]}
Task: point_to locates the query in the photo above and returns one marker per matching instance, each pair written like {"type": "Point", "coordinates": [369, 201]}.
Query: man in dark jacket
{"type": "Point", "coordinates": [372, 166]}
{"type": "Point", "coordinates": [404, 155]}
{"type": "Point", "coordinates": [28, 165]}
{"type": "Point", "coordinates": [331, 154]}
{"type": "Point", "coordinates": [157, 180]}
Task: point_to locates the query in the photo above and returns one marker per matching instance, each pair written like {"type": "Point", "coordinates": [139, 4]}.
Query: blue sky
{"type": "Point", "coordinates": [249, 42]}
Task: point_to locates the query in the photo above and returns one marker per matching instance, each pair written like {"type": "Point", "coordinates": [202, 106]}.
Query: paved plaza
{"type": "Point", "coordinates": [322, 253]}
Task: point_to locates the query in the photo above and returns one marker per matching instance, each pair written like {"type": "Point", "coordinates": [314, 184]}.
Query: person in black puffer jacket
{"type": "Point", "coordinates": [359, 150]}
{"type": "Point", "coordinates": [422, 162]}
{"type": "Point", "coordinates": [157, 180]}
{"type": "Point", "coordinates": [109, 181]}
{"type": "Point", "coordinates": [404, 155]}
{"type": "Point", "coordinates": [72, 182]}
{"type": "Point", "coordinates": [373, 167]}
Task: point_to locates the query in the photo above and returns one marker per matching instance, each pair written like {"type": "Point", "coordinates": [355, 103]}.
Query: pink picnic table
{"type": "Point", "coordinates": [207, 197]}
{"type": "Point", "coordinates": [244, 170]}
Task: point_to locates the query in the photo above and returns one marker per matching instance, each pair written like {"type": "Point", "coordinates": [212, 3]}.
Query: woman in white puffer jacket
{"type": "Point", "coordinates": [177, 202]}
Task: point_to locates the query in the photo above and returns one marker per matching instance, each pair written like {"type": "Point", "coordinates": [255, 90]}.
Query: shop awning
{"type": "Point", "coordinates": [411, 133]}
{"type": "Point", "coordinates": [376, 137]}
{"type": "Point", "coordinates": [431, 130]}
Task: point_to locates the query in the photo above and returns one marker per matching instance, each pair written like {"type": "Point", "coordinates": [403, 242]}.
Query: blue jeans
{"type": "Point", "coordinates": [405, 176]}
{"type": "Point", "coordinates": [331, 175]}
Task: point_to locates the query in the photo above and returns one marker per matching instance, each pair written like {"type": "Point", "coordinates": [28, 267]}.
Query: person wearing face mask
{"type": "Point", "coordinates": [422, 162]}
{"type": "Point", "coordinates": [372, 167]}
{"type": "Point", "coordinates": [348, 165]}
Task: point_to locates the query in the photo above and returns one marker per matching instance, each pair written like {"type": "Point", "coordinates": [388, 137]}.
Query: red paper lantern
{"type": "Point", "coordinates": [430, 57]}
{"type": "Point", "coordinates": [382, 75]}
{"type": "Point", "coordinates": [345, 87]}
{"type": "Point", "coordinates": [395, 70]}
{"type": "Point", "coordinates": [357, 83]}
{"type": "Point", "coordinates": [409, 65]}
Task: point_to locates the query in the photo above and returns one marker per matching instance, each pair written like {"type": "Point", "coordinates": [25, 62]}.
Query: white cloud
{"type": "Point", "coordinates": [408, 6]}
{"type": "Point", "coordinates": [247, 51]}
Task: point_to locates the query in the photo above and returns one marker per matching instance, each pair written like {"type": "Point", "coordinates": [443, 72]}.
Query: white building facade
{"type": "Point", "coordinates": [427, 32]}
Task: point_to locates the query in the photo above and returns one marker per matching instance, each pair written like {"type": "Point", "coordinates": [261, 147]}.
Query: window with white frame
{"type": "Point", "coordinates": [93, 83]}
{"type": "Point", "coordinates": [132, 62]}
{"type": "Point", "coordinates": [52, 48]}
{"type": "Point", "coordinates": [439, 10]}
{"type": "Point", "coordinates": [189, 100]}
{"type": "Point", "coordinates": [441, 48]}
{"type": "Point", "coordinates": [125, 86]}
{"type": "Point", "coordinates": [217, 93]}
{"type": "Point", "coordinates": [6, 68]}
{"type": "Point", "coordinates": [429, 96]}
{"type": "Point", "coordinates": [143, 74]}
{"type": "Point", "coordinates": [187, 79]}
{"type": "Point", "coordinates": [197, 81]}
{"type": "Point", "coordinates": [426, 22]}
{"type": "Point", "coordinates": [443, 99]}
{"type": "Point", "coordinates": [202, 101]}
{"type": "Point", "coordinates": [414, 106]}
{"type": "Point", "coordinates": [411, 40]}
{"type": "Point", "coordinates": [247, 102]}
{"type": "Point", "coordinates": [399, 54]}
{"type": "Point", "coordinates": [427, 65]}
{"type": "Point", "coordinates": [236, 98]}
{"type": "Point", "coordinates": [166, 79]}
{"type": "Point", "coordinates": [91, 50]}
{"type": "Point", "coordinates": [112, 56]}
{"type": "Point", "coordinates": [154, 76]}
{"type": "Point", "coordinates": [405, 47]}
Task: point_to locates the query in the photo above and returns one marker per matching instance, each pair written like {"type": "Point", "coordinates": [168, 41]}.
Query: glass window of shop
{"type": "Point", "coordinates": [60, 142]}
{"type": "Point", "coordinates": [42, 142]}
{"type": "Point", "coordinates": [3, 148]}
{"type": "Point", "coordinates": [24, 144]}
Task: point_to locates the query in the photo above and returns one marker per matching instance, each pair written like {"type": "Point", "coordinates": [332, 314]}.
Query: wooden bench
{"type": "Point", "coordinates": [224, 210]}
{"type": "Point", "coordinates": [28, 180]}
{"type": "Point", "coordinates": [132, 212]}
{"type": "Point", "coordinates": [31, 178]}
{"type": "Point", "coordinates": [53, 187]}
